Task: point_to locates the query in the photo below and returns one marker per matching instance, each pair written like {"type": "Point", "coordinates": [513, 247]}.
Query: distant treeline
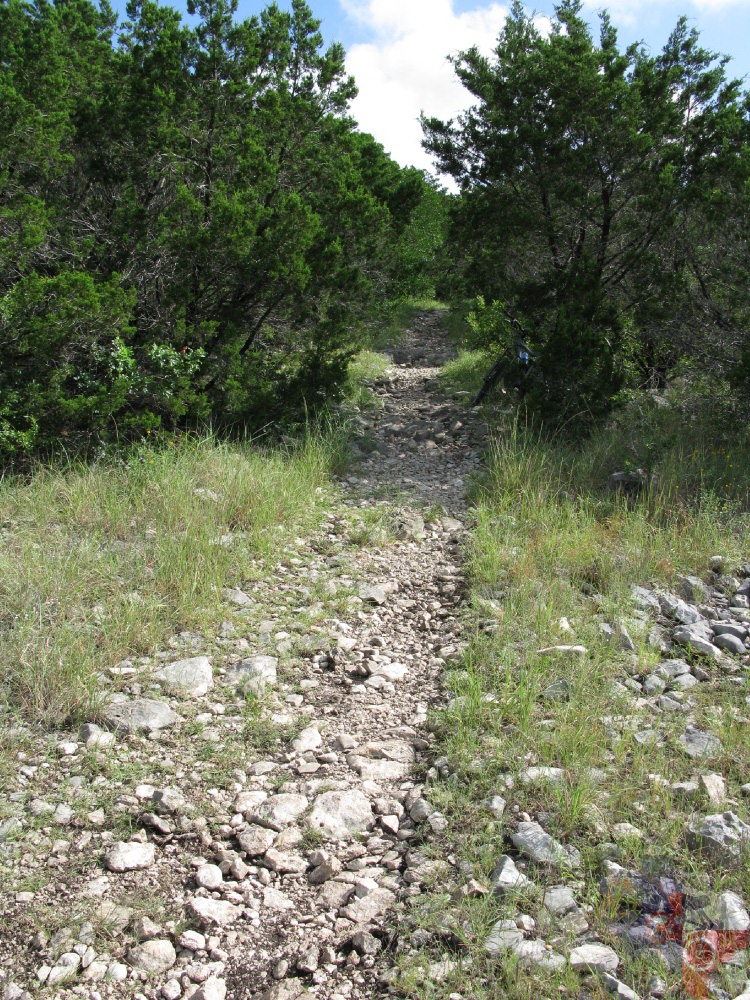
{"type": "Point", "coordinates": [191, 226]}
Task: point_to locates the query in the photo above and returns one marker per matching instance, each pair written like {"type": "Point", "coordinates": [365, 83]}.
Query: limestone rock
{"type": "Point", "coordinates": [532, 841]}
{"type": "Point", "coordinates": [341, 814]}
{"type": "Point", "coordinates": [254, 674]}
{"type": "Point", "coordinates": [209, 877]}
{"type": "Point", "coordinates": [129, 857]}
{"type": "Point", "coordinates": [155, 956]}
{"type": "Point", "coordinates": [256, 840]}
{"type": "Point", "coordinates": [213, 912]}
{"type": "Point", "coordinates": [722, 835]}
{"type": "Point", "coordinates": [594, 958]}
{"type": "Point", "coordinates": [193, 677]}
{"type": "Point", "coordinates": [698, 744]}
{"type": "Point", "coordinates": [507, 878]}
{"type": "Point", "coordinates": [134, 715]}
{"type": "Point", "coordinates": [559, 900]}
{"type": "Point", "coordinates": [283, 809]}
{"type": "Point", "coordinates": [212, 989]}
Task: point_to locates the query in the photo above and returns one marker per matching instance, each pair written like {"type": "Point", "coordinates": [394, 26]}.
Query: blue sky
{"type": "Point", "coordinates": [397, 49]}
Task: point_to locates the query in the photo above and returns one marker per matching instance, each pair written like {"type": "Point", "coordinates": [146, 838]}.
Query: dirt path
{"type": "Point", "coordinates": [370, 702]}
{"type": "Point", "coordinates": [288, 879]}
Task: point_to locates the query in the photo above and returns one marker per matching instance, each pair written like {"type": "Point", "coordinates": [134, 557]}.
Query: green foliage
{"type": "Point", "coordinates": [190, 225]}
{"type": "Point", "coordinates": [604, 197]}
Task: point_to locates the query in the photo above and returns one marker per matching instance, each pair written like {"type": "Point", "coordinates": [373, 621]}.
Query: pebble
{"type": "Point", "coordinates": [209, 877]}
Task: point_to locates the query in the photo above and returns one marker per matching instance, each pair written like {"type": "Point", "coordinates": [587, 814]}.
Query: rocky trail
{"type": "Point", "coordinates": [131, 870]}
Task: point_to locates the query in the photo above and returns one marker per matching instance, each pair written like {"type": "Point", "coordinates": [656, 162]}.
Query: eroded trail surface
{"type": "Point", "coordinates": [288, 879]}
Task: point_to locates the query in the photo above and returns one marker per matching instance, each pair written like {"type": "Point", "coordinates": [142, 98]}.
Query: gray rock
{"type": "Point", "coordinates": [503, 936]}
{"type": "Point", "coordinates": [730, 628]}
{"type": "Point", "coordinates": [153, 956]}
{"type": "Point", "coordinates": [699, 745]}
{"type": "Point", "coordinates": [648, 737]}
{"type": "Point", "coordinates": [654, 684]}
{"type": "Point", "coordinates": [496, 805]}
{"type": "Point", "coordinates": [594, 958]}
{"type": "Point", "coordinates": [670, 669]}
{"type": "Point", "coordinates": [129, 857]}
{"type": "Point", "coordinates": [674, 607]}
{"type": "Point", "coordinates": [532, 841]}
{"type": "Point", "coordinates": [372, 594]}
{"type": "Point", "coordinates": [731, 644]}
{"type": "Point", "coordinates": [214, 912]}
{"type": "Point", "coordinates": [683, 682]}
{"type": "Point", "coordinates": [140, 715]}
{"type": "Point", "coordinates": [254, 674]}
{"type": "Point", "coordinates": [193, 677]}
{"type": "Point", "coordinates": [723, 835]}
{"type": "Point", "coordinates": [558, 690]}
{"type": "Point", "coordinates": [9, 828]}
{"type": "Point", "coordinates": [692, 589]}
{"type": "Point", "coordinates": [697, 642]}
{"type": "Point", "coordinates": [507, 878]}
{"type": "Point", "coordinates": [645, 599]}
{"type": "Point", "coordinates": [559, 900]}
{"type": "Point", "coordinates": [620, 990]}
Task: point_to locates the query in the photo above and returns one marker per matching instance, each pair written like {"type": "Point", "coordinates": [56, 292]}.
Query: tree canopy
{"type": "Point", "coordinates": [190, 223]}
{"type": "Point", "coordinates": [604, 197]}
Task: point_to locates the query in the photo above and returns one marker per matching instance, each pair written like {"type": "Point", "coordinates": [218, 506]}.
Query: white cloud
{"type": "Point", "coordinates": [405, 69]}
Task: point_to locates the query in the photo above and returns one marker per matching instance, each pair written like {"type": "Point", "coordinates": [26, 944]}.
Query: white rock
{"type": "Point", "coordinates": [308, 739]}
{"type": "Point", "coordinates": [283, 809]}
{"type": "Point", "coordinates": [209, 877]}
{"type": "Point", "coordinates": [129, 857]}
{"type": "Point", "coordinates": [155, 956]}
{"type": "Point", "coordinates": [193, 677]}
{"type": "Point", "coordinates": [64, 969]}
{"type": "Point", "coordinates": [214, 912]}
{"type": "Point", "coordinates": [394, 672]}
{"type": "Point", "coordinates": [565, 652]}
{"type": "Point", "coordinates": [341, 814]}
{"type": "Point", "coordinates": [594, 958]}
{"type": "Point", "coordinates": [732, 913]}
{"type": "Point", "coordinates": [171, 990]}
{"type": "Point", "coordinates": [212, 989]}
{"type": "Point", "coordinates": [192, 940]}
{"type": "Point", "coordinates": [117, 972]}
{"type": "Point", "coordinates": [714, 786]}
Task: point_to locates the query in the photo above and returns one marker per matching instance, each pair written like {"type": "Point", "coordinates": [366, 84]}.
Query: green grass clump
{"type": "Point", "coordinates": [107, 561]}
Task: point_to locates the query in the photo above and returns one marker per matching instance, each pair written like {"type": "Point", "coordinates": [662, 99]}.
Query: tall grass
{"type": "Point", "coordinates": [107, 561]}
{"type": "Point", "coordinates": [555, 555]}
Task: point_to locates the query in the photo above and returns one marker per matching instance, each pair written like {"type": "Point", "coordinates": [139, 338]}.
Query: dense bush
{"type": "Point", "coordinates": [604, 204]}
{"type": "Point", "coordinates": [190, 224]}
